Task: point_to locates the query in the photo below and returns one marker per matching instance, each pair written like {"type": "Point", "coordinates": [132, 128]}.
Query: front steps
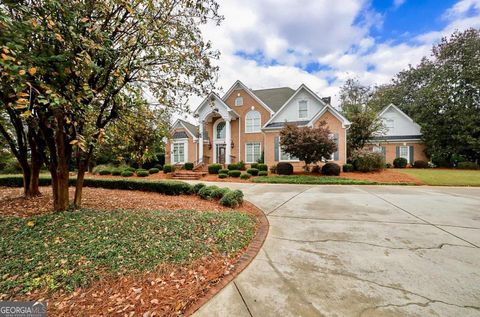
{"type": "Point", "coordinates": [187, 175]}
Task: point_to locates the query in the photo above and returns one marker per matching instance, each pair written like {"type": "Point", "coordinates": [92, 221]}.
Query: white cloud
{"type": "Point", "coordinates": [398, 3]}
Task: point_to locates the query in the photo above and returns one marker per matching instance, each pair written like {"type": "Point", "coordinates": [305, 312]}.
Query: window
{"type": "Point", "coordinates": [178, 152]}
{"type": "Point", "coordinates": [253, 121]}
{"type": "Point", "coordinates": [377, 149]}
{"type": "Point", "coordinates": [390, 124]}
{"type": "Point", "coordinates": [302, 109]}
{"type": "Point", "coordinates": [220, 133]}
{"type": "Point", "coordinates": [403, 152]}
{"type": "Point", "coordinates": [253, 152]}
{"type": "Point", "coordinates": [239, 101]}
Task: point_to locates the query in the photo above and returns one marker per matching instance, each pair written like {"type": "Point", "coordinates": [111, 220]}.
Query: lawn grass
{"type": "Point", "coordinates": [444, 177]}
{"type": "Point", "coordinates": [305, 179]}
{"type": "Point", "coordinates": [65, 250]}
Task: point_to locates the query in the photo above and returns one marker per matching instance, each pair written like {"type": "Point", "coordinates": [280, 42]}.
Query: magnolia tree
{"type": "Point", "coordinates": [310, 145]}
{"type": "Point", "coordinates": [81, 61]}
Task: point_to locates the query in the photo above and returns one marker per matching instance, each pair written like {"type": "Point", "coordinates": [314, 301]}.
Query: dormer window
{"type": "Point", "coordinates": [239, 101]}
{"type": "Point", "coordinates": [302, 109]}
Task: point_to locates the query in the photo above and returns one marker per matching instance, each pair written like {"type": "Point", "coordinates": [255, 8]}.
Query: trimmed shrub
{"type": "Point", "coordinates": [142, 173]}
{"type": "Point", "coordinates": [241, 165]}
{"type": "Point", "coordinates": [235, 173]}
{"type": "Point", "coordinates": [222, 175]}
{"type": "Point", "coordinates": [116, 171]}
{"type": "Point", "coordinates": [347, 168]}
{"type": "Point", "coordinates": [105, 172]}
{"type": "Point", "coordinates": [273, 169]}
{"type": "Point", "coordinates": [331, 169]}
{"type": "Point", "coordinates": [219, 193]}
{"type": "Point", "coordinates": [223, 171]}
{"type": "Point", "coordinates": [254, 165]}
{"type": "Point", "coordinates": [197, 187]}
{"type": "Point", "coordinates": [167, 168]}
{"type": "Point", "coordinates": [153, 170]}
{"type": "Point", "coordinates": [232, 199]}
{"type": "Point", "coordinates": [214, 168]}
{"type": "Point", "coordinates": [160, 167]}
{"type": "Point", "coordinates": [420, 164]}
{"type": "Point", "coordinates": [188, 166]}
{"type": "Point", "coordinates": [262, 167]}
{"type": "Point", "coordinates": [245, 175]}
{"type": "Point", "coordinates": [131, 169]}
{"type": "Point", "coordinates": [262, 173]}
{"type": "Point", "coordinates": [233, 167]}
{"type": "Point", "coordinates": [206, 192]}
{"type": "Point", "coordinates": [467, 166]}
{"type": "Point", "coordinates": [400, 162]}
{"type": "Point", "coordinates": [284, 168]}
{"type": "Point", "coordinates": [127, 173]}
{"type": "Point", "coordinates": [253, 171]}
{"type": "Point", "coordinates": [365, 161]}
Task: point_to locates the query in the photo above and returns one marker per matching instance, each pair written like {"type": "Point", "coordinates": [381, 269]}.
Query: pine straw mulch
{"type": "Point", "coordinates": [384, 176]}
{"type": "Point", "coordinates": [169, 291]}
{"type": "Point", "coordinates": [14, 204]}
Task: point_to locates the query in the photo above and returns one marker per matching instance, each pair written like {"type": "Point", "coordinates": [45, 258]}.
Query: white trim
{"type": "Point", "coordinates": [238, 82]}
{"type": "Point", "coordinates": [252, 142]}
{"type": "Point", "coordinates": [225, 114]}
{"type": "Point", "coordinates": [306, 103]}
{"type": "Point", "coordinates": [397, 109]}
{"type": "Point", "coordinates": [185, 151]}
{"type": "Point", "coordinates": [280, 153]}
{"type": "Point", "coordinates": [260, 126]}
{"type": "Point", "coordinates": [408, 152]}
{"type": "Point", "coordinates": [179, 121]}
{"type": "Point", "coordinates": [215, 124]}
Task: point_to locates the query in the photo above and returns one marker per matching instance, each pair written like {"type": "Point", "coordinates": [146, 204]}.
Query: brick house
{"type": "Point", "coordinates": [245, 124]}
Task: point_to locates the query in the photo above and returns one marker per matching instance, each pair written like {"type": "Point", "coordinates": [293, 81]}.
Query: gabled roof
{"type": "Point", "coordinates": [190, 128]}
{"type": "Point", "coordinates": [212, 96]}
{"type": "Point", "coordinates": [250, 92]}
{"type": "Point", "coordinates": [333, 111]}
{"type": "Point", "coordinates": [275, 98]}
{"type": "Point", "coordinates": [397, 109]}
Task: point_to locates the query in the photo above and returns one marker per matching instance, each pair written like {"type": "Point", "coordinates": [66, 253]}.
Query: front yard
{"type": "Point", "coordinates": [445, 177]}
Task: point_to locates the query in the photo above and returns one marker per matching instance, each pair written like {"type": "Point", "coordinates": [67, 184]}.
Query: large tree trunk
{"type": "Point", "coordinates": [83, 163]}
{"type": "Point", "coordinates": [27, 176]}
{"type": "Point", "coordinates": [62, 167]}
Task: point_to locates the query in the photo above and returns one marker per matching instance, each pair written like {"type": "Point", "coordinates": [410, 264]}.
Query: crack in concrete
{"type": "Point", "coordinates": [243, 299]}
{"type": "Point", "coordinates": [276, 208]}
{"type": "Point", "coordinates": [293, 289]}
{"type": "Point", "coordinates": [440, 246]}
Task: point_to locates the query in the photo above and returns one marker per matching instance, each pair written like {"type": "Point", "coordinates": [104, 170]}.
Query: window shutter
{"type": "Point", "coordinates": [397, 151]}
{"type": "Point", "coordinates": [411, 154]}
{"type": "Point", "coordinates": [336, 154]}
{"type": "Point", "coordinates": [277, 145]}
{"type": "Point", "coordinates": [384, 152]}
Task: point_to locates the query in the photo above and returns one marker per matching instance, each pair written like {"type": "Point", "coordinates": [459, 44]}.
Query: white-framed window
{"type": "Point", "coordinates": [404, 151]}
{"type": "Point", "coordinates": [253, 121]}
{"type": "Point", "coordinates": [178, 153]}
{"type": "Point", "coordinates": [302, 109]}
{"type": "Point", "coordinates": [220, 131]}
{"type": "Point", "coordinates": [390, 124]}
{"type": "Point", "coordinates": [253, 152]}
{"type": "Point", "coordinates": [377, 149]}
{"type": "Point", "coordinates": [239, 101]}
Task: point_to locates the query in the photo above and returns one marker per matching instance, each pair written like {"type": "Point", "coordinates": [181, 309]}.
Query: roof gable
{"type": "Point", "coordinates": [191, 129]}
{"type": "Point", "coordinates": [402, 124]}
{"type": "Point", "coordinates": [239, 84]}
{"type": "Point", "coordinates": [345, 122]}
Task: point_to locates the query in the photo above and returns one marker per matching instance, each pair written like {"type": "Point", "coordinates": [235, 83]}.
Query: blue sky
{"type": "Point", "coordinates": [321, 43]}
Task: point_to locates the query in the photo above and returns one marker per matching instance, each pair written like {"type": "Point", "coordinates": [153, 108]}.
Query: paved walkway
{"type": "Point", "coordinates": [360, 251]}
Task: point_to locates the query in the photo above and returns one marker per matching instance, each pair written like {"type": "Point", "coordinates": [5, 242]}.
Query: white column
{"type": "Point", "coordinates": [200, 143]}
{"type": "Point", "coordinates": [228, 141]}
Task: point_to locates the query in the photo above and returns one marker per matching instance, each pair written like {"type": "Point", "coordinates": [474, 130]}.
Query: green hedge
{"type": "Point", "coordinates": [162, 187]}
{"type": "Point", "coordinates": [233, 167]}
{"type": "Point", "coordinates": [222, 175]}
{"type": "Point", "coordinates": [167, 168]}
{"type": "Point", "coordinates": [253, 171]}
{"type": "Point", "coordinates": [153, 170]}
{"type": "Point", "coordinates": [127, 173]}
{"type": "Point", "coordinates": [234, 173]}
{"type": "Point", "coordinates": [214, 168]}
{"type": "Point", "coordinates": [467, 166]}
{"type": "Point", "coordinates": [347, 168]}
{"type": "Point", "coordinates": [245, 175]}
{"type": "Point", "coordinates": [262, 167]}
{"type": "Point", "coordinates": [263, 173]}
{"type": "Point", "coordinates": [188, 166]}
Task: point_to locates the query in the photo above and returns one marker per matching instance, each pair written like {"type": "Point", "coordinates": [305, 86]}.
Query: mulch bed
{"type": "Point", "coordinates": [385, 176]}
{"type": "Point", "coordinates": [168, 291]}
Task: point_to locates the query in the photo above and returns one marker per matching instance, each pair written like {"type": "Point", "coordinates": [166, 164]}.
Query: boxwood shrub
{"type": "Point", "coordinates": [206, 192]}
{"type": "Point", "coordinates": [232, 199]}
{"type": "Point", "coordinates": [262, 167]}
{"type": "Point", "coordinates": [160, 167]}
{"type": "Point", "coordinates": [241, 165]}
{"type": "Point", "coordinates": [142, 173]}
{"type": "Point", "coordinates": [233, 167]}
{"type": "Point", "coordinates": [263, 173]}
{"type": "Point", "coordinates": [167, 168]}
{"type": "Point", "coordinates": [365, 161]}
{"type": "Point", "coordinates": [214, 168]}
{"type": "Point", "coordinates": [235, 173]}
{"type": "Point", "coordinates": [284, 168]}
{"type": "Point", "coordinates": [188, 166]}
{"type": "Point", "coordinates": [400, 162]}
{"type": "Point", "coordinates": [218, 193]}
{"type": "Point", "coordinates": [467, 166]}
{"type": "Point", "coordinates": [105, 172]}
{"type": "Point", "coordinates": [253, 171]}
{"type": "Point", "coordinates": [222, 175]}
{"type": "Point", "coordinates": [347, 168]}
{"type": "Point", "coordinates": [420, 164]}
{"type": "Point", "coordinates": [153, 170]}
{"type": "Point", "coordinates": [131, 169]}
{"type": "Point", "coordinates": [223, 171]}
{"type": "Point", "coordinates": [246, 175]}
{"type": "Point", "coordinates": [331, 169]}
{"type": "Point", "coordinates": [254, 165]}
{"type": "Point", "coordinates": [127, 173]}
{"type": "Point", "coordinates": [197, 187]}
{"type": "Point", "coordinates": [116, 171]}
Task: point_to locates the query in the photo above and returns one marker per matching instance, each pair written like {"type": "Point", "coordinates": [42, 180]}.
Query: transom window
{"type": "Point", "coordinates": [178, 152]}
{"type": "Point", "coordinates": [302, 109]}
{"type": "Point", "coordinates": [239, 101]}
{"type": "Point", "coordinates": [253, 121]}
{"type": "Point", "coordinates": [220, 133]}
{"type": "Point", "coordinates": [253, 152]}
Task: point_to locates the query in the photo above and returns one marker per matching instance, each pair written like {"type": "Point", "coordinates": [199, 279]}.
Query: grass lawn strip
{"type": "Point", "coordinates": [63, 251]}
{"type": "Point", "coordinates": [317, 180]}
{"type": "Point", "coordinates": [445, 177]}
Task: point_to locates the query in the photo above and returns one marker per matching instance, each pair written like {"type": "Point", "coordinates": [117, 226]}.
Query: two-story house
{"type": "Point", "coordinates": [245, 125]}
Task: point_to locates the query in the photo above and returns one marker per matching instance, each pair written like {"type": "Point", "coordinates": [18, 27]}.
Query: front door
{"type": "Point", "coordinates": [221, 150]}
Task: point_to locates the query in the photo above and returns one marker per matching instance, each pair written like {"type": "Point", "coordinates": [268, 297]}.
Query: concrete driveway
{"type": "Point", "coordinates": [360, 251]}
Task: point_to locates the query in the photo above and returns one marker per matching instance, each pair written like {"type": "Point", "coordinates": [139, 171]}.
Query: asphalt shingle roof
{"type": "Point", "coordinates": [282, 124]}
{"type": "Point", "coordinates": [275, 98]}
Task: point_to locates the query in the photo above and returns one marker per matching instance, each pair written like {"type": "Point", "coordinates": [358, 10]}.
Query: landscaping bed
{"type": "Point", "coordinates": [390, 176]}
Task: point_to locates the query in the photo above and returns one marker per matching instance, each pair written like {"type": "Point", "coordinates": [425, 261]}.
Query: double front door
{"type": "Point", "coordinates": [221, 151]}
